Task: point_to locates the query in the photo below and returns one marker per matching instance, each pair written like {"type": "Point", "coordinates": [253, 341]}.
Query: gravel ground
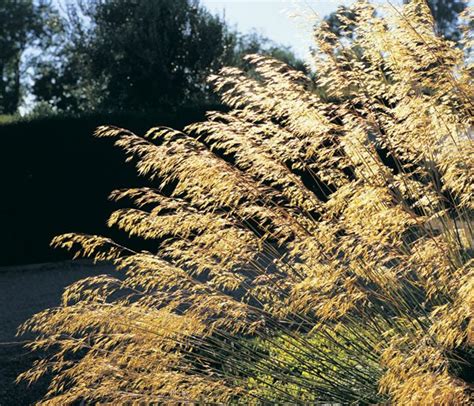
{"type": "Point", "coordinates": [24, 291]}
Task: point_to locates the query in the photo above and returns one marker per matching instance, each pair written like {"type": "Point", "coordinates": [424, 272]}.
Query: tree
{"type": "Point", "coordinates": [254, 43]}
{"type": "Point", "coordinates": [160, 57]}
{"type": "Point", "coordinates": [23, 24]}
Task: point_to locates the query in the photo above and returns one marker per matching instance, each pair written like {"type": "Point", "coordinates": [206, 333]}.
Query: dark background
{"type": "Point", "coordinates": [56, 176]}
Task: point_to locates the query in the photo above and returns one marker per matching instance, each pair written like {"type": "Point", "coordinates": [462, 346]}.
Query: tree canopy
{"type": "Point", "coordinates": [141, 55]}
{"type": "Point", "coordinates": [136, 55]}
{"type": "Point", "coordinates": [23, 24]}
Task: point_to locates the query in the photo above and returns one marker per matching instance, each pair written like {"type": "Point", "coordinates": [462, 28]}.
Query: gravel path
{"type": "Point", "coordinates": [24, 291]}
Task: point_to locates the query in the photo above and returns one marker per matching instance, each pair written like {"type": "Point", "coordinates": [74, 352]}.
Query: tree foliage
{"type": "Point", "coordinates": [159, 57]}
{"type": "Point", "coordinates": [23, 24]}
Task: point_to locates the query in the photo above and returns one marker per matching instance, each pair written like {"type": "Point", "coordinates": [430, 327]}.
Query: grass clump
{"type": "Point", "coordinates": [308, 249]}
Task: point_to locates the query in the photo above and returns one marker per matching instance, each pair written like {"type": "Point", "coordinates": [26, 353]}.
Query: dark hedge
{"type": "Point", "coordinates": [56, 178]}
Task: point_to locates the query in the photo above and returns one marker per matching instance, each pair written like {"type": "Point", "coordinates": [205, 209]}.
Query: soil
{"type": "Point", "coordinates": [24, 291]}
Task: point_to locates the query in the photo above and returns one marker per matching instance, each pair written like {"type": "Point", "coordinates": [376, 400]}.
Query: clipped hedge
{"type": "Point", "coordinates": [56, 178]}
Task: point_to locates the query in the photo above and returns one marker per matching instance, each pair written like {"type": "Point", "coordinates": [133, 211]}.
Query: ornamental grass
{"type": "Point", "coordinates": [312, 244]}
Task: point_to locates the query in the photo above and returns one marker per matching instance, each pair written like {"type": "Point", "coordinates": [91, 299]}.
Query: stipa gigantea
{"type": "Point", "coordinates": [311, 248]}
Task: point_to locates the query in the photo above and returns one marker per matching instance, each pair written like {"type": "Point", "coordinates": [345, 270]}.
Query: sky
{"type": "Point", "coordinates": [286, 22]}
